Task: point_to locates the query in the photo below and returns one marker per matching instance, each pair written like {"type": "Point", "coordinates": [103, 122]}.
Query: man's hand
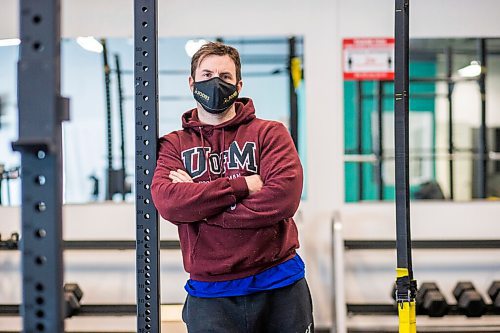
{"type": "Point", "coordinates": [254, 183]}
{"type": "Point", "coordinates": [180, 176]}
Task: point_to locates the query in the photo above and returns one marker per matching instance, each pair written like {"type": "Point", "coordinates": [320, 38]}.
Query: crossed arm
{"type": "Point", "coordinates": [261, 200]}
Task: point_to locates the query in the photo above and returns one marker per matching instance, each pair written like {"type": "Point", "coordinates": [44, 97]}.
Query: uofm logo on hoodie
{"type": "Point", "coordinates": [235, 158]}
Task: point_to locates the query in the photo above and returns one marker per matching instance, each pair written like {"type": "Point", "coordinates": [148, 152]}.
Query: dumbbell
{"type": "Point", "coordinates": [430, 300]}
{"type": "Point", "coordinates": [72, 297]}
{"type": "Point", "coordinates": [494, 293]}
{"type": "Point", "coordinates": [469, 301]}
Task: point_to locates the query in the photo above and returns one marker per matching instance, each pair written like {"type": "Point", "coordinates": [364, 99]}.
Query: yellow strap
{"type": "Point", "coordinates": [400, 272]}
{"type": "Point", "coordinates": [406, 310]}
{"type": "Point", "coordinates": [296, 70]}
{"type": "Point", "coordinates": [413, 317]}
{"type": "Point", "coordinates": [407, 317]}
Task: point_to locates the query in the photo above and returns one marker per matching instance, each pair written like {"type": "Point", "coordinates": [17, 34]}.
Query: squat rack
{"type": "Point", "coordinates": [41, 112]}
{"type": "Point", "coordinates": [146, 136]}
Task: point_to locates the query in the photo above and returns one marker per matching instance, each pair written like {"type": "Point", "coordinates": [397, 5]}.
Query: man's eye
{"type": "Point", "coordinates": [207, 75]}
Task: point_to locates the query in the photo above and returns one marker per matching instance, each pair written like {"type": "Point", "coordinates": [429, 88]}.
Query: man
{"type": "Point", "coordinates": [231, 183]}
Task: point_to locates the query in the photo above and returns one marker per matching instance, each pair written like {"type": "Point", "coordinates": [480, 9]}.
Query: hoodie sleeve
{"type": "Point", "coordinates": [279, 198]}
{"type": "Point", "coordinates": [190, 202]}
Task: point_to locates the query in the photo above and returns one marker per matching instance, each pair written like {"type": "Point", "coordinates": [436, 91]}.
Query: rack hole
{"type": "Point", "coordinates": [146, 157]}
{"type": "Point", "coordinates": [144, 9]}
{"type": "Point", "coordinates": [146, 186]}
{"type": "Point", "coordinates": [40, 154]}
{"type": "Point", "coordinates": [146, 201]}
{"type": "Point", "coordinates": [40, 327]}
{"type": "Point", "coordinates": [40, 314]}
{"type": "Point", "coordinates": [41, 206]}
{"type": "Point", "coordinates": [40, 233]}
{"type": "Point", "coordinates": [145, 83]}
{"type": "Point", "coordinates": [145, 53]}
{"type": "Point", "coordinates": [40, 260]}
{"type": "Point", "coordinates": [147, 238]}
{"type": "Point", "coordinates": [40, 300]}
{"type": "Point", "coordinates": [147, 231]}
{"type": "Point", "coordinates": [148, 290]}
{"type": "Point", "coordinates": [39, 287]}
{"type": "Point", "coordinates": [147, 253]}
{"type": "Point", "coordinates": [145, 98]}
{"type": "Point", "coordinates": [37, 46]}
{"type": "Point", "coordinates": [40, 180]}
{"type": "Point", "coordinates": [144, 24]}
{"type": "Point", "coordinates": [145, 68]}
{"type": "Point", "coordinates": [146, 172]}
{"type": "Point", "coordinates": [37, 19]}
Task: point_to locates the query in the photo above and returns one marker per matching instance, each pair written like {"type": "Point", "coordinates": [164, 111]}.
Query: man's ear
{"type": "Point", "coordinates": [191, 83]}
{"type": "Point", "coordinates": [239, 86]}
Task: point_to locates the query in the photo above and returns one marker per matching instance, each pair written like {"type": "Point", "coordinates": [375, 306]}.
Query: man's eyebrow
{"type": "Point", "coordinates": [226, 73]}
{"type": "Point", "coordinates": [206, 70]}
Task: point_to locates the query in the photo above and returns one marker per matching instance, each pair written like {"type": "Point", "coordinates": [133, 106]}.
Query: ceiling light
{"type": "Point", "coordinates": [194, 45]}
{"type": "Point", "coordinates": [10, 42]}
{"type": "Point", "coordinates": [90, 44]}
{"type": "Point", "coordinates": [472, 70]}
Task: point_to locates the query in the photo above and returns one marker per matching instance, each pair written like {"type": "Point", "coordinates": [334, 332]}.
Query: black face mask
{"type": "Point", "coordinates": [215, 95]}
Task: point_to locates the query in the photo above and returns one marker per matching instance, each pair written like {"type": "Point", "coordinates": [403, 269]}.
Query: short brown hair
{"type": "Point", "coordinates": [219, 49]}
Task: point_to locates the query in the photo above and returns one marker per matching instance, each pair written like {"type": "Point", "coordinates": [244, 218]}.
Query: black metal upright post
{"type": "Point", "coordinates": [41, 111]}
{"type": "Point", "coordinates": [406, 286]}
{"type": "Point", "coordinates": [359, 100]}
{"type": "Point", "coordinates": [146, 136]}
{"type": "Point", "coordinates": [122, 124]}
{"type": "Point", "coordinates": [482, 142]}
{"type": "Point", "coordinates": [294, 113]}
{"type": "Point", "coordinates": [380, 141]}
{"type": "Point", "coordinates": [109, 129]}
{"type": "Point", "coordinates": [451, 85]}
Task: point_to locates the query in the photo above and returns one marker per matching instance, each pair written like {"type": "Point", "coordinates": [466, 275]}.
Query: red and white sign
{"type": "Point", "coordinates": [368, 58]}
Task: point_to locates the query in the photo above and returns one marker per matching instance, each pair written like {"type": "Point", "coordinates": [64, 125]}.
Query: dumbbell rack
{"type": "Point", "coordinates": [341, 309]}
{"type": "Point", "coordinates": [12, 244]}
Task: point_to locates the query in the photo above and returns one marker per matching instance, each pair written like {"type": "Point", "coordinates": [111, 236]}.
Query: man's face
{"type": "Point", "coordinates": [216, 66]}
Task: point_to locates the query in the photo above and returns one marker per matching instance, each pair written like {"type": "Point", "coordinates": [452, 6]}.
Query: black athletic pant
{"type": "Point", "coordinates": [283, 310]}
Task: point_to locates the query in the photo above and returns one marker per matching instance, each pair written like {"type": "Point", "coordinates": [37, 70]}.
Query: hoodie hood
{"type": "Point", "coordinates": [245, 112]}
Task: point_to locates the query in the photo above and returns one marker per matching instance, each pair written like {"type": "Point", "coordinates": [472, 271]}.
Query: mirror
{"type": "Point", "coordinates": [443, 72]}
{"type": "Point", "coordinates": [98, 141]}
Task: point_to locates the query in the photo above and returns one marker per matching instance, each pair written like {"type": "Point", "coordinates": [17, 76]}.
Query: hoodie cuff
{"type": "Point", "coordinates": [239, 187]}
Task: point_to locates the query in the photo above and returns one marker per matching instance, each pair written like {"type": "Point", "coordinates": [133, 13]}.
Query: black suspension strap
{"type": "Point", "coordinates": [405, 284]}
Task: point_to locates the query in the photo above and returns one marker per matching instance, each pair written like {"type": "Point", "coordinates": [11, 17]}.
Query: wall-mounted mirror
{"type": "Point", "coordinates": [97, 74]}
{"type": "Point", "coordinates": [454, 136]}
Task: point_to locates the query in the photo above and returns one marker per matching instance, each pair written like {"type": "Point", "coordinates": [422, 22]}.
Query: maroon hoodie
{"type": "Point", "coordinates": [224, 232]}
